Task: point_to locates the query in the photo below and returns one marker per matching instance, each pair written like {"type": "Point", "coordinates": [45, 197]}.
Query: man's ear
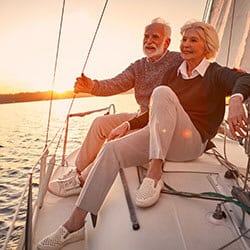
{"type": "Point", "coordinates": [167, 43]}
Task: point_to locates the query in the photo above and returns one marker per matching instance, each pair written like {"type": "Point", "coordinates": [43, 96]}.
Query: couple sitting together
{"type": "Point", "coordinates": [182, 104]}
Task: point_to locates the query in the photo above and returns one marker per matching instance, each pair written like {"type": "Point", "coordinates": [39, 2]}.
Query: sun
{"type": "Point", "coordinates": [60, 90]}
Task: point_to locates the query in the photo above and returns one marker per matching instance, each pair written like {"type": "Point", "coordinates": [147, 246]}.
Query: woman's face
{"type": "Point", "coordinates": [192, 47]}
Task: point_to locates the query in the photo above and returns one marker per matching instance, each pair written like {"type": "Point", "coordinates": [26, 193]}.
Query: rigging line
{"type": "Point", "coordinates": [54, 72]}
{"type": "Point", "coordinates": [247, 142]}
{"type": "Point", "coordinates": [231, 32]}
{"type": "Point", "coordinates": [11, 227]}
{"type": "Point", "coordinates": [91, 46]}
{"type": "Point", "coordinates": [231, 242]}
{"type": "Point", "coordinates": [93, 40]}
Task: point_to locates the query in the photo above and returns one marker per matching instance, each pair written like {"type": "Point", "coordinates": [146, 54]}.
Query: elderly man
{"type": "Point", "coordinates": [143, 75]}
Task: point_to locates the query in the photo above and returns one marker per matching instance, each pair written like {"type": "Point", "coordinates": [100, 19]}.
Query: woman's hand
{"type": "Point", "coordinates": [237, 118]}
{"type": "Point", "coordinates": [83, 84]}
{"type": "Point", "coordinates": [119, 131]}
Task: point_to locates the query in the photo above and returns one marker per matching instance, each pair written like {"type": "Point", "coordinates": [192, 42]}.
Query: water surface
{"type": "Point", "coordinates": [23, 130]}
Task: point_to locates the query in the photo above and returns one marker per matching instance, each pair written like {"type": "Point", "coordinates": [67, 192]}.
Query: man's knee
{"type": "Point", "coordinates": [98, 121]}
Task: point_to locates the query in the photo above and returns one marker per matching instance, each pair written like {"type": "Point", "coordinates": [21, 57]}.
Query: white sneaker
{"type": "Point", "coordinates": [147, 194]}
{"type": "Point", "coordinates": [60, 238]}
{"type": "Point", "coordinates": [65, 187]}
{"type": "Point", "coordinates": [71, 173]}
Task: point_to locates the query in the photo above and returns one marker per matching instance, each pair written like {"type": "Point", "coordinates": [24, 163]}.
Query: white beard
{"type": "Point", "coordinates": [158, 50]}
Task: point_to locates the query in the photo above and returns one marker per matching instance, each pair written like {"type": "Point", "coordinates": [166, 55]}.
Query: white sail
{"type": "Point", "coordinates": [231, 18]}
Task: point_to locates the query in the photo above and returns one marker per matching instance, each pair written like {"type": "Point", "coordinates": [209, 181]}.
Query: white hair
{"type": "Point", "coordinates": [208, 33]}
{"type": "Point", "coordinates": [159, 20]}
{"type": "Point", "coordinates": [162, 21]}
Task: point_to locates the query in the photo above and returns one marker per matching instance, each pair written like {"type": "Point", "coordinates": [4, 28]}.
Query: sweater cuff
{"type": "Point", "coordinates": [238, 94]}
{"type": "Point", "coordinates": [139, 121]}
{"type": "Point", "coordinates": [127, 122]}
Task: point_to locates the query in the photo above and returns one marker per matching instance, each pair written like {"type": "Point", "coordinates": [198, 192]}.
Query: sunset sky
{"type": "Point", "coordinates": [29, 32]}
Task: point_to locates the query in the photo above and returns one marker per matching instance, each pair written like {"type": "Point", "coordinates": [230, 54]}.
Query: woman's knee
{"type": "Point", "coordinates": [108, 147]}
{"type": "Point", "coordinates": [163, 92]}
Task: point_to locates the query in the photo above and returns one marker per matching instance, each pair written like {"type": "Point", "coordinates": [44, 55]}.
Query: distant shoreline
{"type": "Point", "coordinates": [41, 96]}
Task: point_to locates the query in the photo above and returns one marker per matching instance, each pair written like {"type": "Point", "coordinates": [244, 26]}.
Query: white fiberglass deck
{"type": "Point", "coordinates": [173, 223]}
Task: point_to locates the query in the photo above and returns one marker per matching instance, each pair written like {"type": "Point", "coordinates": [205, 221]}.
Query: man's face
{"type": "Point", "coordinates": [155, 43]}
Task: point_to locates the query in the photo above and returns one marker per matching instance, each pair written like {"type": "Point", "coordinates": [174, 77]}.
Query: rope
{"type": "Point", "coordinates": [231, 33]}
{"type": "Point", "coordinates": [247, 144]}
{"type": "Point", "coordinates": [56, 60]}
{"type": "Point", "coordinates": [234, 240]}
{"type": "Point", "coordinates": [27, 183]}
{"type": "Point", "coordinates": [91, 46]}
{"type": "Point", "coordinates": [93, 40]}
{"type": "Point", "coordinates": [49, 117]}
{"type": "Point", "coordinates": [54, 72]}
{"type": "Point", "coordinates": [15, 216]}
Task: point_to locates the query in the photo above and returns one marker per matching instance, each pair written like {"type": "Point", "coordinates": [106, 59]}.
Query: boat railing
{"type": "Point", "coordinates": [46, 171]}
{"type": "Point", "coordinates": [42, 160]}
{"type": "Point", "coordinates": [82, 114]}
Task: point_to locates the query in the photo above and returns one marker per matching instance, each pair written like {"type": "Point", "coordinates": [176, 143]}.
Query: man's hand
{"type": "Point", "coordinates": [83, 84]}
{"type": "Point", "coordinates": [119, 131]}
{"type": "Point", "coordinates": [237, 118]}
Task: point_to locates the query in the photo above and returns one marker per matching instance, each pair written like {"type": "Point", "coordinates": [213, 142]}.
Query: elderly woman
{"type": "Point", "coordinates": [184, 115]}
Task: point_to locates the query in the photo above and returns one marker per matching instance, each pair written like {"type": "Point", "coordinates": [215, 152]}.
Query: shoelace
{"type": "Point", "coordinates": [71, 173]}
{"type": "Point", "coordinates": [71, 183]}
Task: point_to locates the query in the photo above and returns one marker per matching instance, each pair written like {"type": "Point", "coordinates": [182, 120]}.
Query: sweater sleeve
{"type": "Point", "coordinates": [242, 85]}
{"type": "Point", "coordinates": [139, 121]}
{"type": "Point", "coordinates": [235, 82]}
{"type": "Point", "coordinates": [116, 85]}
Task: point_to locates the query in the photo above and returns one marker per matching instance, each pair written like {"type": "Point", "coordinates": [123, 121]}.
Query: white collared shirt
{"type": "Point", "coordinates": [198, 70]}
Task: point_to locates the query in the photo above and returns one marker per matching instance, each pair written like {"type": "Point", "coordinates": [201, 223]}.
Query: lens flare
{"type": "Point", "coordinates": [186, 133]}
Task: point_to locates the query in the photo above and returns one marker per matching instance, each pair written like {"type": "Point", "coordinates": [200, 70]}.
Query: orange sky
{"type": "Point", "coordinates": [29, 33]}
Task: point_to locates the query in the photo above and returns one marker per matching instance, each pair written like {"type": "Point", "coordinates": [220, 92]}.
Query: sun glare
{"type": "Point", "coordinates": [62, 90]}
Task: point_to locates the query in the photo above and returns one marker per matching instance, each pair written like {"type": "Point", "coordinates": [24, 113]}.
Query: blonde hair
{"type": "Point", "coordinates": [166, 26]}
{"type": "Point", "coordinates": [208, 33]}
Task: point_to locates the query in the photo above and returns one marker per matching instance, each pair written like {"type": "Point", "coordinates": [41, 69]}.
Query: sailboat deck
{"type": "Point", "coordinates": [175, 222]}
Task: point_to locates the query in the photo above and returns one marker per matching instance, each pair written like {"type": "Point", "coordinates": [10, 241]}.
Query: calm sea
{"type": "Point", "coordinates": [23, 129]}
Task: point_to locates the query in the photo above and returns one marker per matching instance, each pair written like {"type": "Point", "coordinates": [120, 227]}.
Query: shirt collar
{"type": "Point", "coordinates": [198, 70]}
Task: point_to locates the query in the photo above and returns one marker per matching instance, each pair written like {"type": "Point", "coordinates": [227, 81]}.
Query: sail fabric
{"type": "Point", "coordinates": [231, 18]}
